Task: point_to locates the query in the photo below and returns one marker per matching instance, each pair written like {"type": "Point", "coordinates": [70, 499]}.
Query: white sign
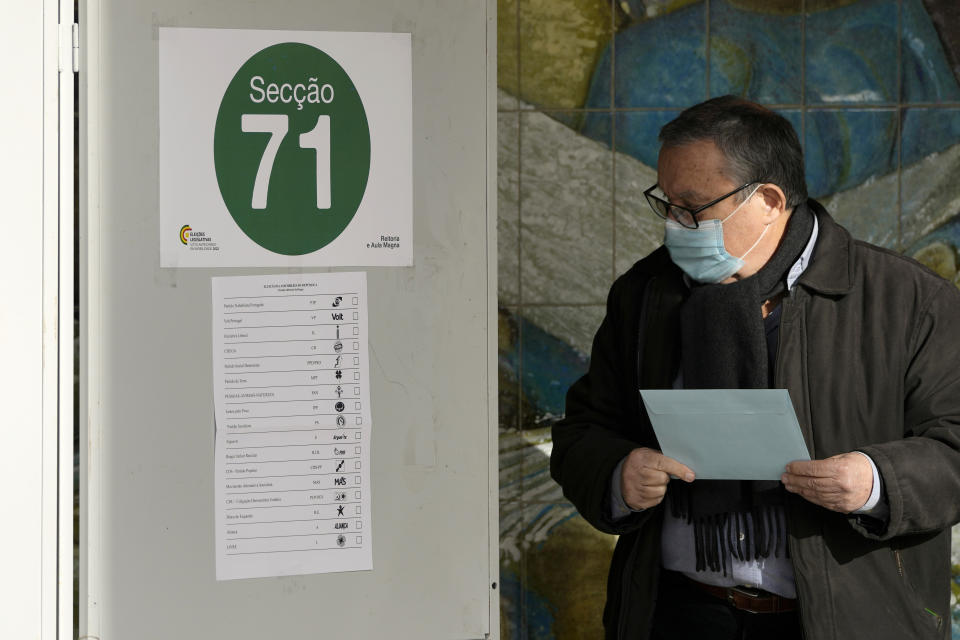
{"type": "Point", "coordinates": [292, 402]}
{"type": "Point", "coordinates": [285, 148]}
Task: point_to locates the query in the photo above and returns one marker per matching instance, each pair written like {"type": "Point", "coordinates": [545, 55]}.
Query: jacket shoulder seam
{"type": "Point", "coordinates": [899, 257]}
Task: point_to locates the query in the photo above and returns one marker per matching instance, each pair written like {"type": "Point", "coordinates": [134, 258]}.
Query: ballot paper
{"type": "Point", "coordinates": [727, 434]}
{"type": "Point", "coordinates": [292, 401]}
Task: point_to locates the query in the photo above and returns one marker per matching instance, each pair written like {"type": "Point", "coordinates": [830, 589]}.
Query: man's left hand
{"type": "Point", "coordinates": [841, 483]}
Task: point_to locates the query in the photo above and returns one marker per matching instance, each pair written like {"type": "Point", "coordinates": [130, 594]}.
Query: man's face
{"type": "Point", "coordinates": [692, 175]}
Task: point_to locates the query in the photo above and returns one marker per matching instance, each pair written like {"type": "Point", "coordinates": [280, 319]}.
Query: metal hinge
{"type": "Point", "coordinates": [69, 57]}
{"type": "Point", "coordinates": [75, 46]}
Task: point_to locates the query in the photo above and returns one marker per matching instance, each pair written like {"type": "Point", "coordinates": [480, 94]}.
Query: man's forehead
{"type": "Point", "coordinates": [686, 194]}
{"type": "Point", "coordinates": [690, 172]}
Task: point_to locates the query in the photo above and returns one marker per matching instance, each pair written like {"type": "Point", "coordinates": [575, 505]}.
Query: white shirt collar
{"type": "Point", "coordinates": [804, 261]}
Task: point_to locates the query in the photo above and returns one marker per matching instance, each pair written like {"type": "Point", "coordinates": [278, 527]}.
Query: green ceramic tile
{"type": "Point", "coordinates": [507, 54]}
{"type": "Point", "coordinates": [560, 45]}
{"type": "Point", "coordinates": [566, 572]}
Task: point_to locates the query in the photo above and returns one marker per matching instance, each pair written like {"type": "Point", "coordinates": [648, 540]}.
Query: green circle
{"type": "Point", "coordinates": [292, 219]}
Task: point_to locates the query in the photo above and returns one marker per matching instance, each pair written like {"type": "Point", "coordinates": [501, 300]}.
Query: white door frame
{"type": "Point", "coordinates": [37, 267]}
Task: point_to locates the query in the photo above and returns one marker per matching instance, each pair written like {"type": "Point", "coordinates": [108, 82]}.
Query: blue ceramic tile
{"type": "Point", "coordinates": [868, 210]}
{"type": "Point", "coordinates": [927, 76]}
{"type": "Point", "coordinates": [556, 342]}
{"type": "Point", "coordinates": [659, 62]}
{"type": "Point", "coordinates": [550, 366]}
{"type": "Point", "coordinates": [846, 147]}
{"type": "Point", "coordinates": [573, 326]}
{"type": "Point", "coordinates": [927, 131]}
{"type": "Point", "coordinates": [795, 118]}
{"type": "Point", "coordinates": [757, 55]}
{"type": "Point", "coordinates": [511, 607]}
{"type": "Point", "coordinates": [597, 125]}
{"type": "Point", "coordinates": [637, 133]}
{"type": "Point", "coordinates": [598, 93]}
{"type": "Point", "coordinates": [851, 54]}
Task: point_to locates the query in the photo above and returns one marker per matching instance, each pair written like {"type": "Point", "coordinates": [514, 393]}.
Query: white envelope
{"type": "Point", "coordinates": [727, 434]}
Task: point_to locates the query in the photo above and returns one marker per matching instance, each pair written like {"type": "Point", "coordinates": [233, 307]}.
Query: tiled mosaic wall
{"type": "Point", "coordinates": [873, 89]}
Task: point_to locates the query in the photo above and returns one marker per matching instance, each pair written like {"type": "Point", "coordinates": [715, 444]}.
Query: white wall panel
{"type": "Point", "coordinates": [148, 535]}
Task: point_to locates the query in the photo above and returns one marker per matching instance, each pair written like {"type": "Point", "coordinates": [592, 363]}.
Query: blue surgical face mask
{"type": "Point", "coordinates": [700, 252]}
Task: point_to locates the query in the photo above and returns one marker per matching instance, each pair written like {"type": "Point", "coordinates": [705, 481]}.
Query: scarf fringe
{"type": "Point", "coordinates": [730, 534]}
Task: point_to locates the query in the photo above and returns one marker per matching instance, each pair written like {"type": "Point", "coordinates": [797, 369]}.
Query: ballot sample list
{"type": "Point", "coordinates": [292, 402]}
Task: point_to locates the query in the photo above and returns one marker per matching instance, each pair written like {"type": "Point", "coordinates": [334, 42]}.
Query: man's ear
{"type": "Point", "coordinates": [774, 202]}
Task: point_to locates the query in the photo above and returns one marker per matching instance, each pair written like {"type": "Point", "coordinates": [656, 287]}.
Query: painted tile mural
{"type": "Point", "coordinates": [873, 89]}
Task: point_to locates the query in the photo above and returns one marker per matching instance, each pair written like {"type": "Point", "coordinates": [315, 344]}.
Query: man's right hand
{"type": "Point", "coordinates": [644, 477]}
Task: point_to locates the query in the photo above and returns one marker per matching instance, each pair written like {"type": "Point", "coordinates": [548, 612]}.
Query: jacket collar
{"type": "Point", "coordinates": [831, 270]}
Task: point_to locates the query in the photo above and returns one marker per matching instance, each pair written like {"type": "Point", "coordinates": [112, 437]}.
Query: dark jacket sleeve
{"type": "Point", "coordinates": [592, 438]}
{"type": "Point", "coordinates": [921, 473]}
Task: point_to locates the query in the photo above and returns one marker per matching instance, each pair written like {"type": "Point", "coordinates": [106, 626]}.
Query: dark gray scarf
{"type": "Point", "coordinates": [723, 346]}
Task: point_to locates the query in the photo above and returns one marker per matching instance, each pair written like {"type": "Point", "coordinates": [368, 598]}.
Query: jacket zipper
{"type": "Point", "coordinates": [778, 383]}
{"type": "Point", "coordinates": [777, 373]}
{"type": "Point", "coordinates": [936, 616]}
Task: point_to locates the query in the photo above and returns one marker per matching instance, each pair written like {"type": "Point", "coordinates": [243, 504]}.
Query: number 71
{"type": "Point", "coordinates": [277, 126]}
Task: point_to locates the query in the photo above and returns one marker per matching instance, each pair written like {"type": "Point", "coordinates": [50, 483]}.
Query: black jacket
{"type": "Point", "coordinates": [870, 353]}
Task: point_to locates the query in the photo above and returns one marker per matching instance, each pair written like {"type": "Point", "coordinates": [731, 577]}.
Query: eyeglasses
{"type": "Point", "coordinates": [684, 215]}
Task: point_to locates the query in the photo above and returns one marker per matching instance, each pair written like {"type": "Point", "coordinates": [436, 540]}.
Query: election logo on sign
{"type": "Point", "coordinates": [292, 149]}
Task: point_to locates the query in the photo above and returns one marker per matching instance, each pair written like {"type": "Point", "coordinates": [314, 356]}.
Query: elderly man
{"type": "Point", "coordinates": [757, 287]}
